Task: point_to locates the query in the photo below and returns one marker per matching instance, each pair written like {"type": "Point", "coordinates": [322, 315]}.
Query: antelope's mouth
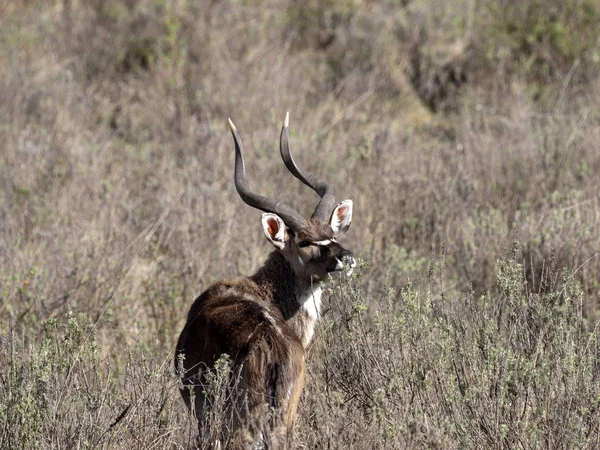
{"type": "Point", "coordinates": [348, 264]}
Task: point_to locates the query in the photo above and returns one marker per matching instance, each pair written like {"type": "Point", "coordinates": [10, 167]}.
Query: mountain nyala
{"type": "Point", "coordinates": [264, 322]}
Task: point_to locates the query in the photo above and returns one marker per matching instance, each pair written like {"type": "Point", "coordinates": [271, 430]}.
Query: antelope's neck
{"type": "Point", "coordinates": [309, 300]}
{"type": "Point", "coordinates": [298, 300]}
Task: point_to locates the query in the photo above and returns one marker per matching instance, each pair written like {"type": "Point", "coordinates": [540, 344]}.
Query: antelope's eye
{"type": "Point", "coordinates": [304, 244]}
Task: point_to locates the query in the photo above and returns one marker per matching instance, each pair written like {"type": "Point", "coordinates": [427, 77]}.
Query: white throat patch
{"type": "Point", "coordinates": [310, 301]}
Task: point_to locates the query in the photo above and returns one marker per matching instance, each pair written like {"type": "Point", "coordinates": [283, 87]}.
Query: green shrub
{"type": "Point", "coordinates": [422, 369]}
{"type": "Point", "coordinates": [544, 40]}
{"type": "Point", "coordinates": [60, 390]}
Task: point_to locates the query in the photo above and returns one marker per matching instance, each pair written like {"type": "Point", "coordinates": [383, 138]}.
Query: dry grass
{"type": "Point", "coordinates": [473, 324]}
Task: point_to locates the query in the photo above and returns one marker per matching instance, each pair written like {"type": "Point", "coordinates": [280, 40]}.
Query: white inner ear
{"type": "Point", "coordinates": [269, 222]}
{"type": "Point", "coordinates": [341, 217]}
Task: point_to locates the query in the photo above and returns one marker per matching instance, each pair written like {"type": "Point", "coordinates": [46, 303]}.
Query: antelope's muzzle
{"type": "Point", "coordinates": [344, 259]}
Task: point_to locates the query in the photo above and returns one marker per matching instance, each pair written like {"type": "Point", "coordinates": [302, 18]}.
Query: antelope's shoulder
{"type": "Point", "coordinates": [242, 288]}
{"type": "Point", "coordinates": [237, 313]}
{"type": "Point", "coordinates": [232, 299]}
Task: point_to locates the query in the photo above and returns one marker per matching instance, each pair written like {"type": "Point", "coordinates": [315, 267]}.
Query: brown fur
{"type": "Point", "coordinates": [238, 317]}
{"type": "Point", "coordinates": [315, 231]}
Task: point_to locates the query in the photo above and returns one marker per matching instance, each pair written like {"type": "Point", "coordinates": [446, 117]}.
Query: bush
{"type": "Point", "coordinates": [545, 41]}
{"type": "Point", "coordinates": [423, 369]}
{"type": "Point", "coordinates": [61, 390]}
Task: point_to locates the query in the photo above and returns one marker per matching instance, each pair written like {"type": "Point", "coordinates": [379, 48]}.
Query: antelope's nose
{"type": "Point", "coordinates": [348, 256]}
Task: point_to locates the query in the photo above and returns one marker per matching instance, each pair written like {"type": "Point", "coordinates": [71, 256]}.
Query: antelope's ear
{"type": "Point", "coordinates": [341, 218]}
{"type": "Point", "coordinates": [274, 229]}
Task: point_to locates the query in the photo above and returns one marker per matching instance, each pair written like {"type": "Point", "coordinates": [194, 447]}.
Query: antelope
{"type": "Point", "coordinates": [265, 322]}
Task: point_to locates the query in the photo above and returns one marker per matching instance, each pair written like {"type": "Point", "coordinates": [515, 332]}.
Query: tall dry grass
{"type": "Point", "coordinates": [117, 209]}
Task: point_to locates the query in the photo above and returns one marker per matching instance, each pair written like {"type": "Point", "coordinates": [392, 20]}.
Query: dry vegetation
{"type": "Point", "coordinates": [467, 133]}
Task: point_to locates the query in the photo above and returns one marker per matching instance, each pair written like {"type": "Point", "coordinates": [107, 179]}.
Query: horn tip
{"type": "Point", "coordinates": [231, 125]}
{"type": "Point", "coordinates": [286, 122]}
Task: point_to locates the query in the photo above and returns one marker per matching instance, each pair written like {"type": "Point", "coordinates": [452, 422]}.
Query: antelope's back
{"type": "Point", "coordinates": [234, 317]}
